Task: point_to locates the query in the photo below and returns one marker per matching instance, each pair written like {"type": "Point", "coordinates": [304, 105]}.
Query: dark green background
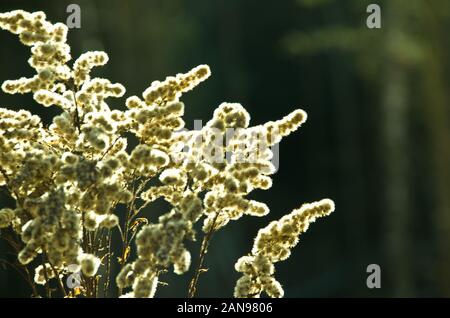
{"type": "Point", "coordinates": [376, 140]}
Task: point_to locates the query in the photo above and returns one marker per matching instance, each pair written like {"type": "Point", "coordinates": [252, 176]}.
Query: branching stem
{"type": "Point", "coordinates": [203, 252]}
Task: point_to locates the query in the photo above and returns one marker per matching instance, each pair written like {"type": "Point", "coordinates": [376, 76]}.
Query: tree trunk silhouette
{"type": "Point", "coordinates": [396, 163]}
{"type": "Point", "coordinates": [436, 112]}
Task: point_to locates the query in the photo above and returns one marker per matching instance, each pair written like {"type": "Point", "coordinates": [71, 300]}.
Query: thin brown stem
{"type": "Point", "coordinates": [76, 119]}
{"type": "Point", "coordinates": [47, 281]}
{"type": "Point", "coordinates": [203, 251]}
{"type": "Point", "coordinates": [108, 265]}
{"type": "Point", "coordinates": [109, 148]}
{"type": "Point", "coordinates": [15, 246]}
{"type": "Point", "coordinates": [31, 282]}
{"type": "Point", "coordinates": [25, 275]}
{"type": "Point", "coordinates": [124, 233]}
{"type": "Point", "coordinates": [58, 279]}
{"type": "Point", "coordinates": [8, 182]}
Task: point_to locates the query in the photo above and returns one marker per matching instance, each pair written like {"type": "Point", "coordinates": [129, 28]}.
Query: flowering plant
{"type": "Point", "coordinates": [72, 180]}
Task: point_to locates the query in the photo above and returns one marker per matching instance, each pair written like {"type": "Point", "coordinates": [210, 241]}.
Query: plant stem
{"type": "Point", "coordinates": [26, 277]}
{"type": "Point", "coordinates": [108, 265]}
{"type": "Point", "coordinates": [203, 252]}
{"type": "Point", "coordinates": [47, 284]}
{"type": "Point", "coordinates": [56, 273]}
{"type": "Point", "coordinates": [124, 233]}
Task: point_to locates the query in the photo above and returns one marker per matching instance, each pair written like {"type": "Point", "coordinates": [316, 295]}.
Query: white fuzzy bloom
{"type": "Point", "coordinates": [6, 217]}
{"type": "Point", "coordinates": [89, 264]}
{"type": "Point", "coordinates": [173, 177]}
{"type": "Point", "coordinates": [110, 221]}
{"type": "Point", "coordinates": [145, 286]}
{"type": "Point", "coordinates": [40, 277]}
{"type": "Point", "coordinates": [273, 244]}
{"type": "Point", "coordinates": [182, 264]}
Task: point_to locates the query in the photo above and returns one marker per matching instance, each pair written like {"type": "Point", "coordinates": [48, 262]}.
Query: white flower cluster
{"type": "Point", "coordinates": [273, 244]}
{"type": "Point", "coordinates": [19, 133]}
{"type": "Point", "coordinates": [89, 264]}
{"type": "Point", "coordinates": [84, 64]}
{"type": "Point", "coordinates": [49, 49]}
{"type": "Point", "coordinates": [227, 159]}
{"type": "Point", "coordinates": [161, 245]}
{"type": "Point", "coordinates": [6, 217]}
{"type": "Point", "coordinates": [172, 87]}
{"type": "Point", "coordinates": [41, 275]}
{"type": "Point", "coordinates": [52, 229]}
{"type": "Point", "coordinates": [68, 178]}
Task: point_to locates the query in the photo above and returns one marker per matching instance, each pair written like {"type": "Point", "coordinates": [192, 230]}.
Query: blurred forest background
{"type": "Point", "coordinates": [376, 140]}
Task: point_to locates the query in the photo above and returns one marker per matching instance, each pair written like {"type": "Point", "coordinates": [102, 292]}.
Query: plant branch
{"type": "Point", "coordinates": [203, 251]}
